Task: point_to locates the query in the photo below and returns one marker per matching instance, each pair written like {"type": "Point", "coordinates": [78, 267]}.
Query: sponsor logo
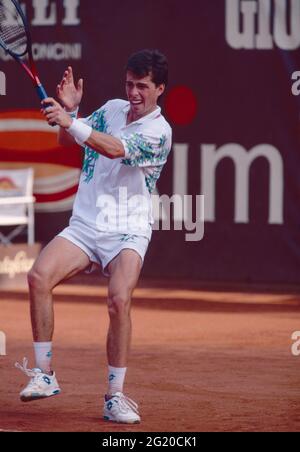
{"type": "Point", "coordinates": [41, 13]}
{"type": "Point", "coordinates": [47, 380]}
{"type": "Point", "coordinates": [49, 13]}
{"type": "Point", "coordinates": [243, 159]}
{"type": "Point", "coordinates": [21, 263]}
{"type": "Point", "coordinates": [109, 405]}
{"type": "Point", "coordinates": [263, 24]}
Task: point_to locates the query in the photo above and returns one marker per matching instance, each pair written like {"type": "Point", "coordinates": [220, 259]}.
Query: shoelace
{"type": "Point", "coordinates": [36, 377]}
{"type": "Point", "coordinates": [24, 368]}
{"type": "Point", "coordinates": [126, 403]}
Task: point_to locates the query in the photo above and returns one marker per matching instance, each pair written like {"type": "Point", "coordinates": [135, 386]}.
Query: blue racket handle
{"type": "Point", "coordinates": [41, 92]}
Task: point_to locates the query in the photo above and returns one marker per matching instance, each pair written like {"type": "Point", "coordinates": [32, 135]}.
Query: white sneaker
{"type": "Point", "coordinates": [121, 409]}
{"type": "Point", "coordinates": [40, 386]}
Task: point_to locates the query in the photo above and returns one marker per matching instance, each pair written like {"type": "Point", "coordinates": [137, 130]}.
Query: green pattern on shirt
{"type": "Point", "coordinates": [145, 154]}
{"type": "Point", "coordinates": [141, 152]}
{"type": "Point", "coordinates": [152, 178]}
{"type": "Point", "coordinates": [99, 123]}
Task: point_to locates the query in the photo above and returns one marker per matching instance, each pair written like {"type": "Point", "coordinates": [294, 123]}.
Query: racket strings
{"type": "Point", "coordinates": [12, 30]}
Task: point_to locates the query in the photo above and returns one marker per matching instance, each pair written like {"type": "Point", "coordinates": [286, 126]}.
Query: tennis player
{"type": "Point", "coordinates": [126, 147]}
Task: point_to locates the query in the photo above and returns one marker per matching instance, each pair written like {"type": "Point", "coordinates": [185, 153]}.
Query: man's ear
{"type": "Point", "coordinates": [161, 89]}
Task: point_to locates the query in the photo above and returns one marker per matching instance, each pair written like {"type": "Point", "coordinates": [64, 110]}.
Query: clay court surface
{"type": "Point", "coordinates": [201, 361]}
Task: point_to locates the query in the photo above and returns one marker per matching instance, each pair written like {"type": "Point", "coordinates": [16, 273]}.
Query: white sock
{"type": "Point", "coordinates": [116, 377]}
{"type": "Point", "coordinates": [43, 356]}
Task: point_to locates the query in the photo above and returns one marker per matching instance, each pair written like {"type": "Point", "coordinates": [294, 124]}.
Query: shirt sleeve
{"type": "Point", "coordinates": [98, 119]}
{"type": "Point", "coordinates": [146, 149]}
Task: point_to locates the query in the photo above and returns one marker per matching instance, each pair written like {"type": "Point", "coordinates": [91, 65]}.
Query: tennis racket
{"type": "Point", "coordinates": [15, 39]}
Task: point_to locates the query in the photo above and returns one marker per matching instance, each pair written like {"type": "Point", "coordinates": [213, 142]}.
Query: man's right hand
{"type": "Point", "coordinates": [68, 93]}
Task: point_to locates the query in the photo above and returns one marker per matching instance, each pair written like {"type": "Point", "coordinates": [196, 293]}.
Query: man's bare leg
{"type": "Point", "coordinates": [124, 271]}
{"type": "Point", "coordinates": [60, 260]}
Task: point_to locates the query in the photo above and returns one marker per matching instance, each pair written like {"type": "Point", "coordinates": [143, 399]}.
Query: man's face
{"type": "Point", "coordinates": [142, 94]}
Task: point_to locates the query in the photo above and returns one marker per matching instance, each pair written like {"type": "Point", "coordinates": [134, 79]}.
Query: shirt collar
{"type": "Point", "coordinates": [155, 114]}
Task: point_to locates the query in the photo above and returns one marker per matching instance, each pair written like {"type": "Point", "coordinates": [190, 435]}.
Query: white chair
{"type": "Point", "coordinates": [17, 203]}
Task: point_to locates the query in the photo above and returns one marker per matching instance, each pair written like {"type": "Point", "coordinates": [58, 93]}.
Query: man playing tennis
{"type": "Point", "coordinates": [126, 146]}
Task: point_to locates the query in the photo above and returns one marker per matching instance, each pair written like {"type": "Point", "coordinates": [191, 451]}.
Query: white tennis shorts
{"type": "Point", "coordinates": [103, 247]}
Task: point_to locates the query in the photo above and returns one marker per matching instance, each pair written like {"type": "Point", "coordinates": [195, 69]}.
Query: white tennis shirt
{"type": "Point", "coordinates": [115, 195]}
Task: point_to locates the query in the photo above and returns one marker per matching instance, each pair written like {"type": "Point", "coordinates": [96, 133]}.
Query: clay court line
{"type": "Point", "coordinates": [77, 291]}
{"type": "Point", "coordinates": [194, 295]}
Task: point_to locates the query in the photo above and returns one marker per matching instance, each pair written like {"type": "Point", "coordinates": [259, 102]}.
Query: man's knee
{"type": "Point", "coordinates": [119, 305]}
{"type": "Point", "coordinates": [38, 279]}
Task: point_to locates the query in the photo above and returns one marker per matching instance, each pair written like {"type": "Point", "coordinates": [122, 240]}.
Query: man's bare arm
{"type": "Point", "coordinates": [65, 139]}
{"type": "Point", "coordinates": [106, 145]}
{"type": "Point", "coordinates": [102, 143]}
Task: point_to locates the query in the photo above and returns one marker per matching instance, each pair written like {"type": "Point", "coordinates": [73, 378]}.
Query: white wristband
{"type": "Point", "coordinates": [74, 113]}
{"type": "Point", "coordinates": [80, 131]}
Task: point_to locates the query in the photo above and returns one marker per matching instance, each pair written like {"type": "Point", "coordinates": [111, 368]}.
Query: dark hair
{"type": "Point", "coordinates": [149, 62]}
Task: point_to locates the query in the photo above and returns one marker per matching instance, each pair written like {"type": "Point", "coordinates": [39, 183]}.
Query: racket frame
{"type": "Point", "coordinates": [31, 68]}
